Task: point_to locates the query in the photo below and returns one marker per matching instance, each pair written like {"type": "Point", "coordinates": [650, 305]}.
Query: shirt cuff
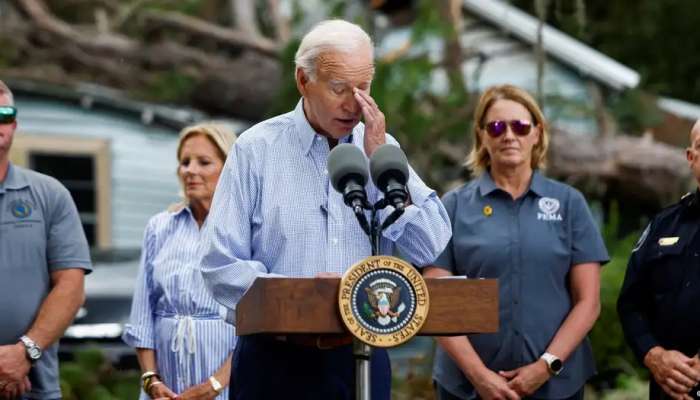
{"type": "Point", "coordinates": [410, 213]}
{"type": "Point", "coordinates": [228, 315]}
{"type": "Point", "coordinates": [135, 337]}
{"type": "Point", "coordinates": [643, 344]}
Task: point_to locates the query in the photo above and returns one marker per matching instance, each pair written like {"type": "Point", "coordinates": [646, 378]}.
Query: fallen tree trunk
{"type": "Point", "coordinates": [651, 173]}
{"type": "Point", "coordinates": [239, 76]}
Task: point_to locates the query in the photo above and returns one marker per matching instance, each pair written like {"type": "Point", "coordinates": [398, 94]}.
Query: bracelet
{"type": "Point", "coordinates": [148, 374]}
{"type": "Point", "coordinates": [216, 385]}
{"type": "Point", "coordinates": [150, 386]}
{"type": "Point", "coordinates": [147, 380]}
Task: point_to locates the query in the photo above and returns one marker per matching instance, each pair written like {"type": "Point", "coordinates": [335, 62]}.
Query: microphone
{"type": "Point", "coordinates": [347, 168]}
{"type": "Point", "coordinates": [389, 169]}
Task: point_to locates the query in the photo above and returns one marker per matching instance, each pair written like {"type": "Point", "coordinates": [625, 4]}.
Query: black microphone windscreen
{"type": "Point", "coordinates": [388, 161]}
{"type": "Point", "coordinates": [344, 161]}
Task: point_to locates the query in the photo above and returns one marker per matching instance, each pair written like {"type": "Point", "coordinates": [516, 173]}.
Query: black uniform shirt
{"type": "Point", "coordinates": [659, 303]}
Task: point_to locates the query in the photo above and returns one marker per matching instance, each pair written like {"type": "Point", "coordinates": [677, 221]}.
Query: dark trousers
{"type": "Point", "coordinates": [265, 368]}
{"type": "Point", "coordinates": [656, 393]}
{"type": "Point", "coordinates": [443, 394]}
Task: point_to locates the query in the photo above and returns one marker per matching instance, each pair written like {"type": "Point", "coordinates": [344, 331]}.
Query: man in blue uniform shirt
{"type": "Point", "coordinates": [43, 258]}
{"type": "Point", "coordinates": [658, 303]}
{"type": "Point", "coordinates": [276, 213]}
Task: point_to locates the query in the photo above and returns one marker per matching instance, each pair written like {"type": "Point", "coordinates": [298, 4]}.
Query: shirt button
{"type": "Point", "coordinates": [687, 284]}
{"type": "Point", "coordinates": [334, 241]}
{"type": "Point", "coordinates": [325, 172]}
{"type": "Point", "coordinates": [517, 333]}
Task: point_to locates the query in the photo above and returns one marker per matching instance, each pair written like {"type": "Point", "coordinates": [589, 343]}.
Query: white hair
{"type": "Point", "coordinates": [330, 35]}
{"type": "Point", "coordinates": [5, 91]}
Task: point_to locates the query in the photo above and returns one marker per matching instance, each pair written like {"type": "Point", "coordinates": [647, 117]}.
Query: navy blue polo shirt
{"type": "Point", "coordinates": [529, 245]}
{"type": "Point", "coordinates": [40, 232]}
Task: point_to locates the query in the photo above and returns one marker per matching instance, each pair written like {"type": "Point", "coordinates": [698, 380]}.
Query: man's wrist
{"type": "Point", "coordinates": [31, 349]}
{"type": "Point", "coordinates": [651, 355]}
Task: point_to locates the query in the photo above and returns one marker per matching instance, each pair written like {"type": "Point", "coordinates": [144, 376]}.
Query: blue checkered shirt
{"type": "Point", "coordinates": [275, 213]}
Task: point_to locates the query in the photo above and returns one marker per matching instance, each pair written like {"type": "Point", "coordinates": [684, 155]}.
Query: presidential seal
{"type": "Point", "coordinates": [383, 301]}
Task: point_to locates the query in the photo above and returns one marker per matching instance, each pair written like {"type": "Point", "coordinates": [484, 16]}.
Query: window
{"type": "Point", "coordinates": [82, 166]}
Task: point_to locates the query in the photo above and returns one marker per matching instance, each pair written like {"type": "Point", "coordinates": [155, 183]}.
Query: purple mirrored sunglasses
{"type": "Point", "coordinates": [520, 127]}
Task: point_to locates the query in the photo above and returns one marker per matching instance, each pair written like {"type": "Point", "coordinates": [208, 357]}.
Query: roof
{"type": "Point", "coordinates": [565, 48]}
{"type": "Point", "coordinates": [680, 108]}
{"type": "Point", "coordinates": [91, 96]}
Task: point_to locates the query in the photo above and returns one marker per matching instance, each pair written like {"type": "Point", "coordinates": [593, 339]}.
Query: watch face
{"type": "Point", "coordinates": [34, 353]}
{"type": "Point", "coordinates": [556, 365]}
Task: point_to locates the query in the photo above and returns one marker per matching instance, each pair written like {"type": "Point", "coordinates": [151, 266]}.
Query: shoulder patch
{"type": "Point", "coordinates": [642, 238]}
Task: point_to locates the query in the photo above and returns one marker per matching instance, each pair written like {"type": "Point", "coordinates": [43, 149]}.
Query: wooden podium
{"type": "Point", "coordinates": [284, 306]}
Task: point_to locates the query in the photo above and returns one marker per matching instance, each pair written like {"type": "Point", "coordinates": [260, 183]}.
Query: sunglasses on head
{"type": "Point", "coordinates": [520, 127]}
{"type": "Point", "coordinates": [8, 114]}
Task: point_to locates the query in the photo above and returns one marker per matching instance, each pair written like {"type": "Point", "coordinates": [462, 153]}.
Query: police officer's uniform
{"type": "Point", "coordinates": [659, 300]}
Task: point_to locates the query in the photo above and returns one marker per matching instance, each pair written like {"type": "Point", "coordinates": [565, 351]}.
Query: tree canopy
{"type": "Point", "coordinates": [657, 38]}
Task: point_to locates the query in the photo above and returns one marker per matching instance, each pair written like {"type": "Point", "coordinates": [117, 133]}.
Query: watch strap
{"type": "Point", "coordinates": [554, 364]}
{"type": "Point", "coordinates": [216, 385]}
{"type": "Point", "coordinates": [33, 351]}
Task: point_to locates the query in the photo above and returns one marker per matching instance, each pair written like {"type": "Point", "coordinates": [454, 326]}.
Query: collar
{"type": "Point", "coordinates": [179, 208]}
{"type": "Point", "coordinates": [15, 179]}
{"type": "Point", "coordinates": [487, 185]}
{"type": "Point", "coordinates": [537, 185]}
{"type": "Point", "coordinates": [691, 202]}
{"type": "Point", "coordinates": [306, 132]}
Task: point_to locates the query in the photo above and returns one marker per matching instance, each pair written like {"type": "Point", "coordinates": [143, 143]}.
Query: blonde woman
{"type": "Point", "coordinates": [182, 343]}
{"type": "Point", "coordinates": [537, 237]}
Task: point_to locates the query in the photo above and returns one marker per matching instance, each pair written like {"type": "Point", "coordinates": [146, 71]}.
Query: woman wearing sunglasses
{"type": "Point", "coordinates": [538, 238]}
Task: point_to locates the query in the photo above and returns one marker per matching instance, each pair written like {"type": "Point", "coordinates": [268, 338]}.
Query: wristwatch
{"type": "Point", "coordinates": [33, 350]}
{"type": "Point", "coordinates": [216, 385]}
{"type": "Point", "coordinates": [554, 364]}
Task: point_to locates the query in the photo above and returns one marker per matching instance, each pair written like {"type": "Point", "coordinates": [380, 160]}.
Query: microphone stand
{"type": "Point", "coordinates": [361, 350]}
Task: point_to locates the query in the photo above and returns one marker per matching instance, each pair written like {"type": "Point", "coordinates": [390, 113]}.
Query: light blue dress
{"type": "Point", "coordinates": [172, 311]}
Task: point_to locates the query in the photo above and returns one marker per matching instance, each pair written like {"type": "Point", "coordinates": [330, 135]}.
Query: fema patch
{"type": "Point", "coordinates": [383, 301]}
{"type": "Point", "coordinates": [548, 207]}
{"type": "Point", "coordinates": [20, 208]}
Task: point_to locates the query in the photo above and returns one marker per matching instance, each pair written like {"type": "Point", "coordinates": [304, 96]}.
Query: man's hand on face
{"type": "Point", "coordinates": [375, 124]}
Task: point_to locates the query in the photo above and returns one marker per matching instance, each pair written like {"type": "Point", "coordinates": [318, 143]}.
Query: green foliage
{"type": "Point", "coordinates": [189, 7]}
{"type": "Point", "coordinates": [614, 359]}
{"type": "Point", "coordinates": [628, 387]}
{"type": "Point", "coordinates": [288, 95]}
{"type": "Point", "coordinates": [91, 377]}
{"type": "Point", "coordinates": [169, 87]}
{"type": "Point", "coordinates": [656, 38]}
{"type": "Point", "coordinates": [634, 110]}
{"type": "Point", "coordinates": [9, 55]}
{"type": "Point", "coordinates": [416, 383]}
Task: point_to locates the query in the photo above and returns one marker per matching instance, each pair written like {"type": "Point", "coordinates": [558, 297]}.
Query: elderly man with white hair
{"type": "Point", "coordinates": [276, 213]}
{"type": "Point", "coordinates": [658, 303]}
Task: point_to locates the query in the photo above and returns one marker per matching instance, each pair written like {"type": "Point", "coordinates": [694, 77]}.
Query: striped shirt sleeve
{"type": "Point", "coordinates": [139, 331]}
